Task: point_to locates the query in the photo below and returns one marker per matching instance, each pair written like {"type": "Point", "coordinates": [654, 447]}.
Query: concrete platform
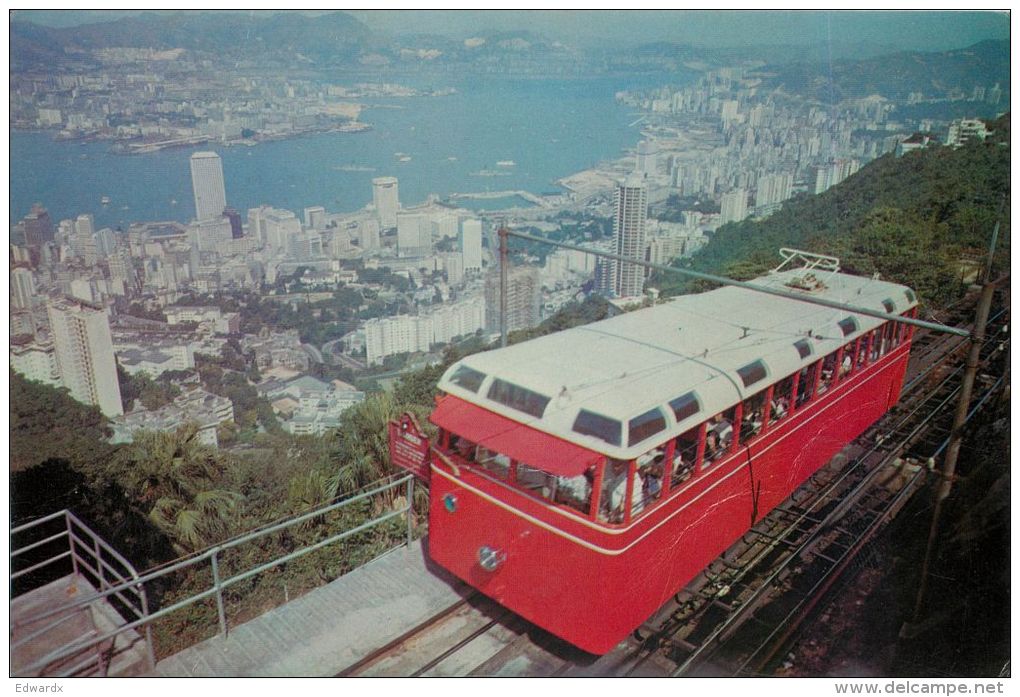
{"type": "Point", "coordinates": [123, 656]}
{"type": "Point", "coordinates": [330, 628]}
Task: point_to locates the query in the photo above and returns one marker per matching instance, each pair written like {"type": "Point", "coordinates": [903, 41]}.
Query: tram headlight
{"type": "Point", "coordinates": [450, 503]}
{"type": "Point", "coordinates": [489, 558]}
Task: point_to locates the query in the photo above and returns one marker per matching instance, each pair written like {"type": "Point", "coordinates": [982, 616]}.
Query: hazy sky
{"type": "Point", "coordinates": [920, 30]}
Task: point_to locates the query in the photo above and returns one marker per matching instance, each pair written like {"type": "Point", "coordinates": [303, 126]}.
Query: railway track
{"type": "Point", "coordinates": [739, 613]}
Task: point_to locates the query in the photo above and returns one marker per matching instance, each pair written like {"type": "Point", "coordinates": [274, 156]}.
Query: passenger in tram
{"type": "Point", "coordinates": [712, 447]}
{"type": "Point", "coordinates": [615, 492]}
{"type": "Point", "coordinates": [683, 460]}
{"type": "Point", "coordinates": [847, 363]}
{"type": "Point", "coordinates": [723, 430]}
{"type": "Point", "coordinates": [779, 408]}
{"type": "Point", "coordinates": [576, 491]}
{"type": "Point", "coordinates": [463, 447]}
{"type": "Point", "coordinates": [751, 424]}
{"type": "Point", "coordinates": [651, 477]}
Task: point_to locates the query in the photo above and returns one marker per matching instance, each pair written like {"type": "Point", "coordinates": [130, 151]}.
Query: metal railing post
{"type": "Point", "coordinates": [219, 592]}
{"type": "Point", "coordinates": [70, 543]}
{"type": "Point", "coordinates": [150, 650]}
{"type": "Point", "coordinates": [410, 511]}
{"type": "Point", "coordinates": [99, 562]}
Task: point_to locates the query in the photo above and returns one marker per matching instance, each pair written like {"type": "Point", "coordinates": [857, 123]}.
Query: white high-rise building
{"type": "Point", "coordinates": [36, 361]}
{"type": "Point", "coordinates": [207, 184]}
{"type": "Point", "coordinates": [22, 289]}
{"type": "Point", "coordinates": [471, 244]}
{"type": "Point", "coordinates": [734, 207]}
{"type": "Point", "coordinates": [85, 225]}
{"type": "Point", "coordinates": [773, 189]}
{"type": "Point", "coordinates": [84, 348]}
{"type": "Point", "coordinates": [523, 300]}
{"type": "Point", "coordinates": [647, 158]}
{"type": "Point", "coordinates": [368, 234]}
{"type": "Point", "coordinates": [315, 217]}
{"type": "Point", "coordinates": [629, 235]}
{"type": "Point", "coordinates": [414, 237]}
{"type": "Point", "coordinates": [386, 199]}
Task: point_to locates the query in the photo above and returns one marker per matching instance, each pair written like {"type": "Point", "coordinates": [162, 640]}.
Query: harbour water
{"type": "Point", "coordinates": [491, 135]}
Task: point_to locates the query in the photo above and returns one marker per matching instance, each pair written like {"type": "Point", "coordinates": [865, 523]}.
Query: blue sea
{"type": "Point", "coordinates": [549, 128]}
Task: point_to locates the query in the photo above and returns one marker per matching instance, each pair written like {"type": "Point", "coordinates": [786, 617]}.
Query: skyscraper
{"type": "Point", "coordinates": [523, 298]}
{"type": "Point", "coordinates": [22, 289]}
{"type": "Point", "coordinates": [471, 244]}
{"type": "Point", "coordinates": [38, 227]}
{"type": "Point", "coordinates": [84, 347]}
{"type": "Point", "coordinates": [734, 207]}
{"type": "Point", "coordinates": [207, 183]}
{"type": "Point", "coordinates": [629, 235]}
{"type": "Point", "coordinates": [414, 238]}
{"type": "Point", "coordinates": [386, 200]}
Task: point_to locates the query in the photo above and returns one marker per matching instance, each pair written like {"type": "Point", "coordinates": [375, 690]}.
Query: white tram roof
{"type": "Point", "coordinates": [624, 367]}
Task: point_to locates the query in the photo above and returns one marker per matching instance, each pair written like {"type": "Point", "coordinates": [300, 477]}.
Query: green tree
{"type": "Point", "coordinates": [176, 482]}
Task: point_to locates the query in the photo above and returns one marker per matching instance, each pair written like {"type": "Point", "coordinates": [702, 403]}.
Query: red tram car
{"type": "Point", "coordinates": [582, 478]}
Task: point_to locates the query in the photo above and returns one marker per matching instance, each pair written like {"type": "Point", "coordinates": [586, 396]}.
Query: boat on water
{"type": "Point", "coordinates": [105, 200]}
{"type": "Point", "coordinates": [506, 163]}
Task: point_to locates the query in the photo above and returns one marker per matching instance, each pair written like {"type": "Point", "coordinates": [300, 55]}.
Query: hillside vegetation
{"type": "Point", "coordinates": [914, 219]}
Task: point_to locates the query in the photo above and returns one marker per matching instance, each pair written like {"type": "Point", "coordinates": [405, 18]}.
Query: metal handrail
{"type": "Point", "coordinates": [219, 585]}
{"type": "Point", "coordinates": [81, 551]}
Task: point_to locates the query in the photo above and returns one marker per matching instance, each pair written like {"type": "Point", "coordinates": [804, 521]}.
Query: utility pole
{"type": "Point", "coordinates": [956, 435]}
{"type": "Point", "coordinates": [504, 258]}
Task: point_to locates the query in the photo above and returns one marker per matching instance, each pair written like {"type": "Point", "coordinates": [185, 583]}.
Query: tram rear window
{"type": "Point", "coordinates": [468, 378]}
{"type": "Point", "coordinates": [803, 348]}
{"type": "Point", "coordinates": [589, 423]}
{"type": "Point", "coordinates": [645, 426]}
{"type": "Point", "coordinates": [517, 397]}
{"type": "Point", "coordinates": [752, 372]}
{"type": "Point", "coordinates": [848, 326]}
{"type": "Point", "coordinates": [685, 406]}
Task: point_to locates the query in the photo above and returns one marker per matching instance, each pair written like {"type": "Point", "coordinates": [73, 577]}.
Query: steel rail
{"type": "Point", "coordinates": [814, 595]}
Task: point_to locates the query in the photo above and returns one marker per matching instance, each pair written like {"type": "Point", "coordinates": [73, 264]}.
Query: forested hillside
{"type": "Point", "coordinates": [914, 219]}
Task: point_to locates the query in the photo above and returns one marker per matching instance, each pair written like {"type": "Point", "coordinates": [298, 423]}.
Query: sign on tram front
{"type": "Point", "coordinates": [409, 447]}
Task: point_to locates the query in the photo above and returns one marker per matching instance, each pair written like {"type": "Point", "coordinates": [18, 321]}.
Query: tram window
{"type": "Point", "coordinates": [828, 373]}
{"type": "Point", "coordinates": [589, 423]}
{"type": "Point", "coordinates": [806, 385]}
{"type": "Point", "coordinates": [874, 344]}
{"type": "Point", "coordinates": [782, 398]}
{"type": "Point", "coordinates": [517, 397]}
{"type": "Point", "coordinates": [685, 406]}
{"type": "Point", "coordinates": [846, 366]}
{"type": "Point", "coordinates": [891, 335]}
{"type": "Point", "coordinates": [462, 447]}
{"type": "Point", "coordinates": [719, 437]}
{"type": "Point", "coordinates": [614, 491]}
{"type": "Point", "coordinates": [497, 463]}
{"type": "Point", "coordinates": [468, 378]}
{"type": "Point", "coordinates": [753, 417]}
{"type": "Point", "coordinates": [648, 481]}
{"type": "Point", "coordinates": [862, 351]}
{"type": "Point", "coordinates": [685, 455]}
{"type": "Point", "coordinates": [536, 481]}
{"type": "Point", "coordinates": [910, 296]}
{"type": "Point", "coordinates": [645, 426]}
{"type": "Point", "coordinates": [575, 492]}
{"type": "Point", "coordinates": [803, 347]}
{"type": "Point", "coordinates": [752, 373]}
{"type": "Point", "coordinates": [848, 326]}
{"type": "Point", "coordinates": [889, 305]}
